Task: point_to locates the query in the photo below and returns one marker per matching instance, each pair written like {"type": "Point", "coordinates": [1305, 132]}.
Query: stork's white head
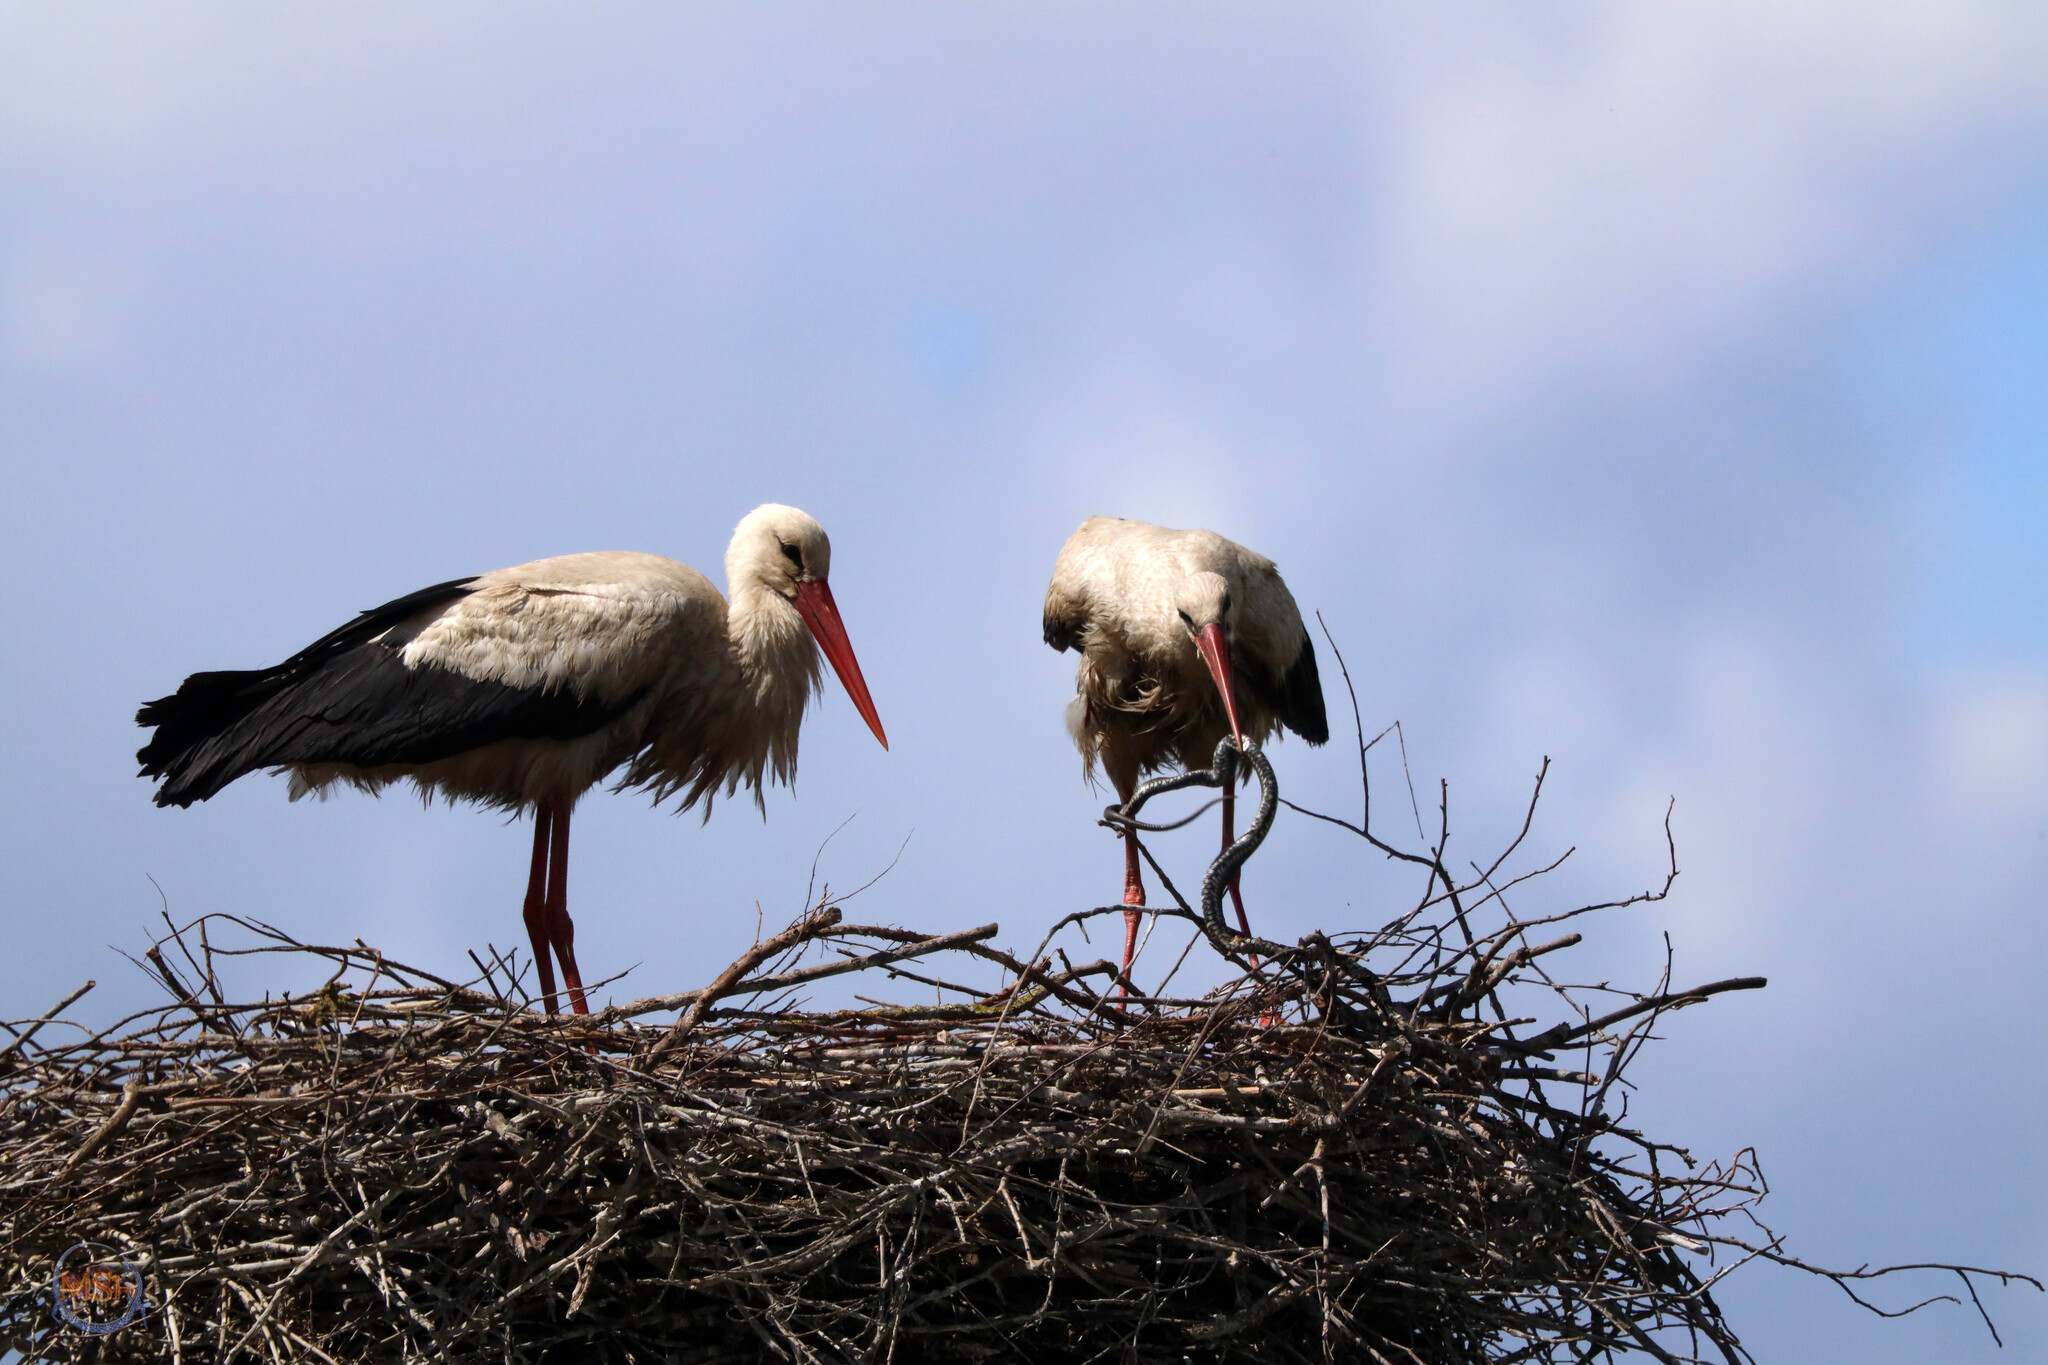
{"type": "Point", "coordinates": [777, 547]}
{"type": "Point", "coordinates": [780, 550]}
{"type": "Point", "coordinates": [1202, 601]}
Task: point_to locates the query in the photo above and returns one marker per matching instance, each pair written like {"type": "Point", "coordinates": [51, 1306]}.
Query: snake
{"type": "Point", "coordinates": [1222, 772]}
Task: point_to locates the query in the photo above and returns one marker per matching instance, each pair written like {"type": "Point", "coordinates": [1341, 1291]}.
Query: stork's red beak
{"type": "Point", "coordinates": [1216, 654]}
{"type": "Point", "coordinates": [821, 614]}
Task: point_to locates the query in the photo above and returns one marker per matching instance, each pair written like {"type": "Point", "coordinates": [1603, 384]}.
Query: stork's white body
{"type": "Point", "coordinates": [523, 687]}
{"type": "Point", "coordinates": [1185, 637]}
{"type": "Point", "coordinates": [701, 694]}
{"type": "Point", "coordinates": [1143, 696]}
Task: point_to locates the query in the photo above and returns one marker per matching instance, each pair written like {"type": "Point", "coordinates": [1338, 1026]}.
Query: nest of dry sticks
{"type": "Point", "coordinates": [1366, 1147]}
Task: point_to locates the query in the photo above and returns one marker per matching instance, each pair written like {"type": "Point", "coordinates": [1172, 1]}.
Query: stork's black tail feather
{"type": "Point", "coordinates": [204, 706]}
{"type": "Point", "coordinates": [210, 707]}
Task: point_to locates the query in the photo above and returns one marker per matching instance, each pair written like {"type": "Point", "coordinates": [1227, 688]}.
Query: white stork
{"type": "Point", "coordinates": [1184, 637]}
{"type": "Point", "coordinates": [521, 688]}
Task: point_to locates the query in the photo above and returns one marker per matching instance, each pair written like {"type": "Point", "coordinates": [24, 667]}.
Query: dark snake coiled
{"type": "Point", "coordinates": [1222, 772]}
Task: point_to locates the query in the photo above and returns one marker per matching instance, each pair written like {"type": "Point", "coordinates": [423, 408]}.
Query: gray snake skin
{"type": "Point", "coordinates": [1222, 773]}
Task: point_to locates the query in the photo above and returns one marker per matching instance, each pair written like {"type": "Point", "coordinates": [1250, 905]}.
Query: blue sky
{"type": "Point", "coordinates": [1972, 365]}
{"type": "Point", "coordinates": [1657, 389]}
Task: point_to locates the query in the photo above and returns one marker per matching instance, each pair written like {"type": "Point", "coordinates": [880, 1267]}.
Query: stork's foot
{"type": "Point", "coordinates": [565, 950]}
{"type": "Point", "coordinates": [1244, 925]}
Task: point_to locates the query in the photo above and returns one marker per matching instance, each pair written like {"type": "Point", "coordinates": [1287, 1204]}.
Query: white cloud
{"type": "Point", "coordinates": [1990, 743]}
{"type": "Point", "coordinates": [1619, 191]}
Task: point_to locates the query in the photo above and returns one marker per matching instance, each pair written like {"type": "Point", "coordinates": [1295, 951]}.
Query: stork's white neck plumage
{"type": "Point", "coordinates": [772, 549]}
{"type": "Point", "coordinates": [774, 650]}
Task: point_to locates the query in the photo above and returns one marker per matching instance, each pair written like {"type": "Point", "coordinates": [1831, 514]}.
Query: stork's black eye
{"type": "Point", "coordinates": [793, 555]}
{"type": "Point", "coordinates": [1187, 620]}
{"type": "Point", "coordinates": [1226, 601]}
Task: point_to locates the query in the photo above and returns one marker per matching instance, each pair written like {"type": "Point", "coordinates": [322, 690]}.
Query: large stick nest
{"type": "Point", "coordinates": [1363, 1148]}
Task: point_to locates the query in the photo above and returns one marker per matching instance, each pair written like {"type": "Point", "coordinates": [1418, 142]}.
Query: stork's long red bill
{"type": "Point", "coordinates": [821, 614]}
{"type": "Point", "coordinates": [1216, 654]}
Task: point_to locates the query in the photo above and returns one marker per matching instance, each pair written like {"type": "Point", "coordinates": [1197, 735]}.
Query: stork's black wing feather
{"type": "Point", "coordinates": [1301, 691]}
{"type": "Point", "coordinates": [1297, 699]}
{"type": "Point", "coordinates": [205, 704]}
{"type": "Point", "coordinates": [345, 698]}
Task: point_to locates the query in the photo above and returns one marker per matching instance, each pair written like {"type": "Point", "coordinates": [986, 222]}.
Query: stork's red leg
{"type": "Point", "coordinates": [537, 904]}
{"type": "Point", "coordinates": [561, 931]}
{"type": "Point", "coordinates": [1134, 894]}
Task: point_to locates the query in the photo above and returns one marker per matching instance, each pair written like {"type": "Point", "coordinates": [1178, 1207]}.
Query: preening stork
{"type": "Point", "coordinates": [521, 688]}
{"type": "Point", "coordinates": [1184, 637]}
